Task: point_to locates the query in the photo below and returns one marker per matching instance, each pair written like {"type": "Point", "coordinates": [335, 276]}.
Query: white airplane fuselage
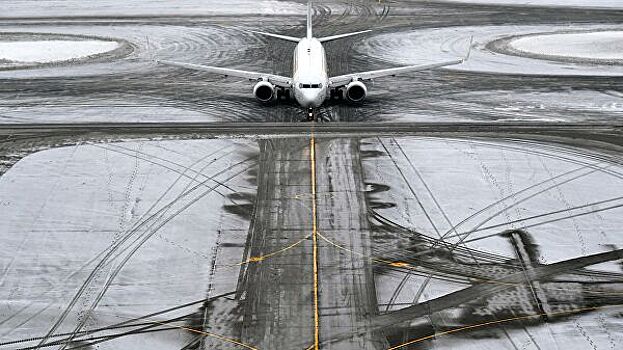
{"type": "Point", "coordinates": [309, 77]}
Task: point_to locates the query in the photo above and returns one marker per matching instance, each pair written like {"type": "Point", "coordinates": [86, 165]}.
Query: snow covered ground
{"type": "Point", "coordinates": [45, 51]}
{"type": "Point", "coordinates": [465, 176]}
{"type": "Point", "coordinates": [606, 45]}
{"type": "Point", "coordinates": [205, 44]}
{"type": "Point", "coordinates": [571, 105]}
{"type": "Point", "coordinates": [64, 8]}
{"type": "Point", "coordinates": [609, 4]}
{"type": "Point", "coordinates": [439, 44]}
{"type": "Point", "coordinates": [102, 109]}
{"type": "Point", "coordinates": [467, 185]}
{"type": "Point", "coordinates": [64, 209]}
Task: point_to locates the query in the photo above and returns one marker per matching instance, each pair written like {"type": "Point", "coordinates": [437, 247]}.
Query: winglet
{"type": "Point", "coordinates": [309, 19]}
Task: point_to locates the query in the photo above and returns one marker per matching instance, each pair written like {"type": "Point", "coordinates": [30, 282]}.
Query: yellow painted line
{"type": "Point", "coordinates": [491, 323]}
{"type": "Point", "coordinates": [312, 159]}
{"type": "Point", "coordinates": [398, 264]}
{"type": "Point", "coordinates": [256, 259]}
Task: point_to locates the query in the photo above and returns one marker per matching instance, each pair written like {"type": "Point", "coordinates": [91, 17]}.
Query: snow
{"type": "Point", "coordinates": [584, 331]}
{"type": "Point", "coordinates": [441, 44]}
{"type": "Point", "coordinates": [63, 8]}
{"type": "Point", "coordinates": [208, 44]}
{"type": "Point", "coordinates": [464, 177]}
{"type": "Point", "coordinates": [111, 110]}
{"type": "Point", "coordinates": [488, 171]}
{"type": "Point", "coordinates": [616, 4]}
{"type": "Point", "coordinates": [45, 51]}
{"type": "Point", "coordinates": [62, 208]}
{"type": "Point", "coordinates": [606, 45]}
{"type": "Point", "coordinates": [510, 105]}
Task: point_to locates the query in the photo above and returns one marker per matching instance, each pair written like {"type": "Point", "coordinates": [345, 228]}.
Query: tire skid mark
{"type": "Point", "coordinates": [111, 249]}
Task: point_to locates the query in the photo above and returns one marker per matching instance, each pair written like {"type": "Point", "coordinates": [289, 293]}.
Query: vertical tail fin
{"type": "Point", "coordinates": [309, 19]}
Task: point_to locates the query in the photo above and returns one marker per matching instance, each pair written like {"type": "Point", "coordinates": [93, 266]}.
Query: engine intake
{"type": "Point", "coordinates": [356, 91]}
{"type": "Point", "coordinates": [264, 91]}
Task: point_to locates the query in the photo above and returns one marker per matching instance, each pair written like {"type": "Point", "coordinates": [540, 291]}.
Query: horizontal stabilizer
{"type": "Point", "coordinates": [340, 36]}
{"type": "Point", "coordinates": [278, 36]}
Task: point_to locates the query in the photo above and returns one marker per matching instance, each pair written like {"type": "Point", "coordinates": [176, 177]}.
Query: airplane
{"type": "Point", "coordinates": [310, 83]}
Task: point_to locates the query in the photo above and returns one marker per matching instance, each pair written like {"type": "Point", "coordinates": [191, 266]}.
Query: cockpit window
{"type": "Point", "coordinates": [310, 86]}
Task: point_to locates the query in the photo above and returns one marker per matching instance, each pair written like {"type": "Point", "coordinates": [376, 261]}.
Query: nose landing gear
{"type": "Point", "coordinates": [310, 115]}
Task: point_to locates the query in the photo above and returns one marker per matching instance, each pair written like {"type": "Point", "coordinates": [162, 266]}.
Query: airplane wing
{"type": "Point", "coordinates": [275, 79]}
{"type": "Point", "coordinates": [345, 79]}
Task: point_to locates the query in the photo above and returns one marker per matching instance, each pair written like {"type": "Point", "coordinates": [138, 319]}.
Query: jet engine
{"type": "Point", "coordinates": [264, 91]}
{"type": "Point", "coordinates": [356, 91]}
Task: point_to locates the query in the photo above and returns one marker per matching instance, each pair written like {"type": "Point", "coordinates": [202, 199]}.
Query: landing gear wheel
{"type": "Point", "coordinates": [310, 115]}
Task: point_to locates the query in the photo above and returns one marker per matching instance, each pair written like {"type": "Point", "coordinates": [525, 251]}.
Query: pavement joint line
{"type": "Point", "coordinates": [312, 159]}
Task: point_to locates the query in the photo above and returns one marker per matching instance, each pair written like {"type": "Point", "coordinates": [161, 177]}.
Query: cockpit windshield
{"type": "Point", "coordinates": [310, 86]}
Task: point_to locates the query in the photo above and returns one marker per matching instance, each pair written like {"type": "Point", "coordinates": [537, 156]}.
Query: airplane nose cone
{"type": "Point", "coordinates": [310, 99]}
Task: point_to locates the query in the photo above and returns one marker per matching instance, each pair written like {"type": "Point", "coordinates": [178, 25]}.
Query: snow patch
{"type": "Point", "coordinates": [606, 45]}
{"type": "Point", "coordinates": [490, 52]}
{"type": "Point", "coordinates": [46, 51]}
{"type": "Point", "coordinates": [62, 207]}
{"type": "Point", "coordinates": [71, 8]}
{"type": "Point", "coordinates": [599, 4]}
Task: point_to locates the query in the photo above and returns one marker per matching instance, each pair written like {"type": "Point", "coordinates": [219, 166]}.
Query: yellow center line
{"type": "Point", "coordinates": [312, 158]}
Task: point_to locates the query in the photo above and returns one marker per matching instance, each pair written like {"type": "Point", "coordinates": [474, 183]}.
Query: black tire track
{"type": "Point", "coordinates": [110, 250]}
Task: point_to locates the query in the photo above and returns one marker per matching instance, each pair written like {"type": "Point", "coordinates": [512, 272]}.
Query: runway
{"type": "Point", "coordinates": [145, 207]}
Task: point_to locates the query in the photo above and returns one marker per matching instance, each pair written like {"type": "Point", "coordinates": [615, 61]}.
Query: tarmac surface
{"type": "Point", "coordinates": [147, 207]}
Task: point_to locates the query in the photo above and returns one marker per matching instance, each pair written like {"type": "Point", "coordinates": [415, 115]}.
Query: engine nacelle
{"type": "Point", "coordinates": [356, 91]}
{"type": "Point", "coordinates": [264, 91]}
